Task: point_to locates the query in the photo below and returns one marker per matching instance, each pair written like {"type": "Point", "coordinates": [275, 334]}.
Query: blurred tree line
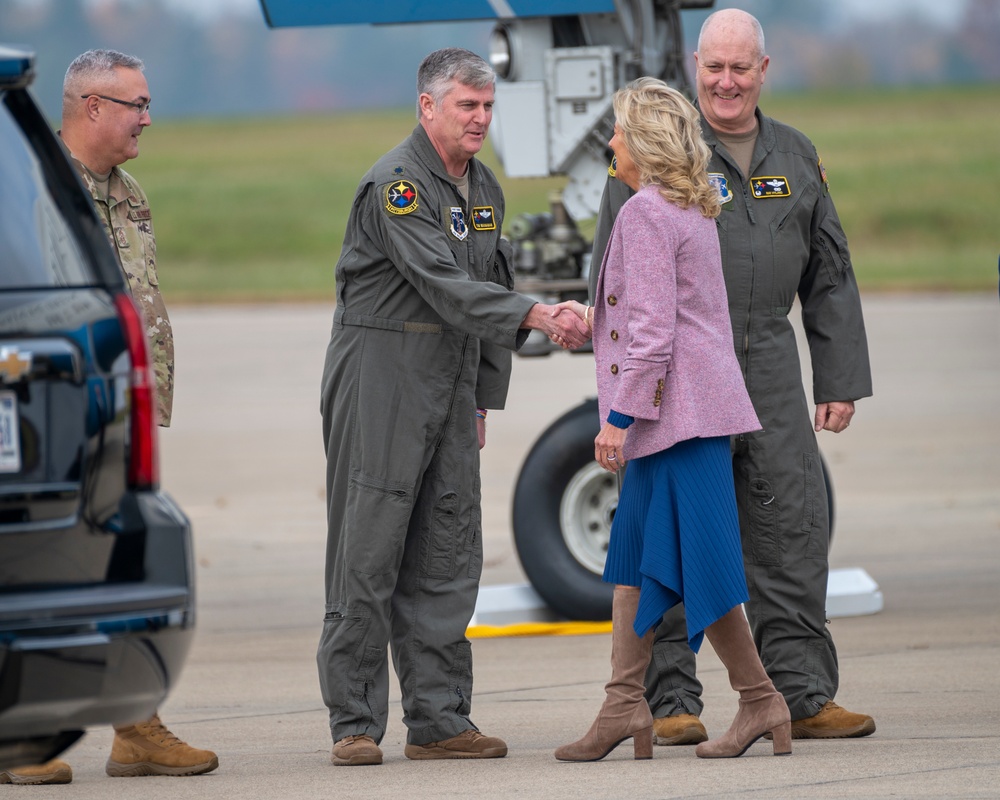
{"type": "Point", "coordinates": [230, 63]}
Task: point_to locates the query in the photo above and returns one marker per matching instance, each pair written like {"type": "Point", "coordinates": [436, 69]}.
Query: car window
{"type": "Point", "coordinates": [37, 248]}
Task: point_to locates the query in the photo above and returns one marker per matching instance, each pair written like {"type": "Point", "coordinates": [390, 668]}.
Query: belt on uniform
{"type": "Point", "coordinates": [402, 326]}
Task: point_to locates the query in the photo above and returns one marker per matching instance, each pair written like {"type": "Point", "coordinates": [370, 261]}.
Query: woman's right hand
{"type": "Point", "coordinates": [608, 447]}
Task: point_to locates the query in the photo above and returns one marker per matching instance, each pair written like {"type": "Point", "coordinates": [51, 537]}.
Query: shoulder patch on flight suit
{"type": "Point", "coordinates": [770, 186]}
{"type": "Point", "coordinates": [613, 167]}
{"type": "Point", "coordinates": [483, 218]}
{"type": "Point", "coordinates": [457, 225]}
{"type": "Point", "coordinates": [721, 182]}
{"type": "Point", "coordinates": [822, 175]}
{"type": "Point", "coordinates": [401, 198]}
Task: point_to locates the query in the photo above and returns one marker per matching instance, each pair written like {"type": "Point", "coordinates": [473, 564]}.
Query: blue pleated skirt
{"type": "Point", "coordinates": [676, 536]}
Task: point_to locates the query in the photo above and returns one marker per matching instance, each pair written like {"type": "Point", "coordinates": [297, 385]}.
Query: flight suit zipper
{"type": "Point", "coordinates": [748, 320]}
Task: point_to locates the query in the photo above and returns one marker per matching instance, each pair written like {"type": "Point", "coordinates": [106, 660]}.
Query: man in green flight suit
{"type": "Point", "coordinates": [420, 349]}
{"type": "Point", "coordinates": [781, 238]}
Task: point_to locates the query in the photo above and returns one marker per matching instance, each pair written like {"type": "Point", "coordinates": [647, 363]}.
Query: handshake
{"type": "Point", "coordinates": [567, 324]}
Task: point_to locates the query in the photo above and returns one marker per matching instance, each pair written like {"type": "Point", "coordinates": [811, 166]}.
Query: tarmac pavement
{"type": "Point", "coordinates": [917, 482]}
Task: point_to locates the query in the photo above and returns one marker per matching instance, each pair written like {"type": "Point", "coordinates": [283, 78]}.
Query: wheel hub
{"type": "Point", "coordinates": [585, 514]}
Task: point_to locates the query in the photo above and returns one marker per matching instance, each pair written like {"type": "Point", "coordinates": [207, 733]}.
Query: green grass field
{"type": "Point", "coordinates": [255, 209]}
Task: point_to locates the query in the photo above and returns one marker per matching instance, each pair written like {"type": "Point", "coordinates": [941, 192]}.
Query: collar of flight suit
{"type": "Point", "coordinates": [766, 138]}
{"type": "Point", "coordinates": [429, 156]}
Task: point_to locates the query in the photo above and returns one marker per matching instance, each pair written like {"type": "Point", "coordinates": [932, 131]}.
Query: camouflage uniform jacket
{"type": "Point", "coordinates": [129, 225]}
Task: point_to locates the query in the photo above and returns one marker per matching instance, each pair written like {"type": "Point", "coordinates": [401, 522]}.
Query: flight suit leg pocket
{"type": "Point", "coordinates": [378, 515]}
{"type": "Point", "coordinates": [765, 548]}
{"type": "Point", "coordinates": [440, 543]}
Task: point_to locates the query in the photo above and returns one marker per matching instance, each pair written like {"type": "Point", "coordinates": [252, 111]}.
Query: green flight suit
{"type": "Point", "coordinates": [422, 334]}
{"type": "Point", "coordinates": [781, 238]}
{"type": "Point", "coordinates": [128, 222]}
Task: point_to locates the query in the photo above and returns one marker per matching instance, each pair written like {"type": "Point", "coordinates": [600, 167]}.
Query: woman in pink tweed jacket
{"type": "Point", "coordinates": [662, 337]}
{"type": "Point", "coordinates": [671, 394]}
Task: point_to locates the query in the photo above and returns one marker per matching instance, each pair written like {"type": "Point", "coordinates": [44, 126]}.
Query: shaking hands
{"type": "Point", "coordinates": [565, 323]}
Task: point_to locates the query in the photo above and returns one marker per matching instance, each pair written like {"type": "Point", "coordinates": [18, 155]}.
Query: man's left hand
{"type": "Point", "coordinates": [834, 416]}
{"type": "Point", "coordinates": [481, 430]}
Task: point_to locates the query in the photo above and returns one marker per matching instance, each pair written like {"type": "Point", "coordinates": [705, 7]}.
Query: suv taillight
{"type": "Point", "coordinates": [143, 461]}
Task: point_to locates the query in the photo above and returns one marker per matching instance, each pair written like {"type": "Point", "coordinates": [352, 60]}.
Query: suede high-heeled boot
{"type": "Point", "coordinates": [625, 713]}
{"type": "Point", "coordinates": [762, 708]}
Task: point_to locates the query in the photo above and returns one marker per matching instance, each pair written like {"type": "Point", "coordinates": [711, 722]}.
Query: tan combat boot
{"type": "Point", "coordinates": [833, 722]}
{"type": "Point", "coordinates": [148, 748]}
{"type": "Point", "coordinates": [54, 771]}
{"type": "Point", "coordinates": [356, 751]}
{"type": "Point", "coordinates": [679, 729]}
{"type": "Point", "coordinates": [468, 744]}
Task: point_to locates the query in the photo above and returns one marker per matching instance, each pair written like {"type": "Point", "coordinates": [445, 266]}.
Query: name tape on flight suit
{"type": "Point", "coordinates": [768, 186]}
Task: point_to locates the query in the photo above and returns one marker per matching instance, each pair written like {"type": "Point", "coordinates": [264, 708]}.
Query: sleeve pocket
{"type": "Point", "coordinates": [503, 265]}
{"type": "Point", "coordinates": [833, 246]}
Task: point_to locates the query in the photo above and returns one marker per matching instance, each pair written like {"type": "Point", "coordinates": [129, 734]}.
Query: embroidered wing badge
{"type": "Point", "coordinates": [483, 219]}
{"type": "Point", "coordinates": [770, 186]}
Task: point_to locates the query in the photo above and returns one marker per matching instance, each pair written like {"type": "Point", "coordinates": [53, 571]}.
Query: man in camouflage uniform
{"type": "Point", "coordinates": [781, 238]}
{"type": "Point", "coordinates": [105, 109]}
{"type": "Point", "coordinates": [420, 348]}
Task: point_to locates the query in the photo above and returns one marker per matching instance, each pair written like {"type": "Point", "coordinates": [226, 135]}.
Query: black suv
{"type": "Point", "coordinates": [96, 572]}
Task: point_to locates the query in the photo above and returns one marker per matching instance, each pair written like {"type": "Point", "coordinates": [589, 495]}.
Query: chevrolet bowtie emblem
{"type": "Point", "coordinates": [14, 365]}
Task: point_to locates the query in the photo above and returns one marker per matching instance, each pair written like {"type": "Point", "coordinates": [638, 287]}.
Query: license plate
{"type": "Point", "coordinates": [10, 439]}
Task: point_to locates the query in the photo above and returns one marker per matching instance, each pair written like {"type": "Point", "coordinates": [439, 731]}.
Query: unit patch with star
{"type": "Point", "coordinates": [770, 186]}
{"type": "Point", "coordinates": [483, 218]}
{"type": "Point", "coordinates": [401, 198]}
{"type": "Point", "coordinates": [613, 167]}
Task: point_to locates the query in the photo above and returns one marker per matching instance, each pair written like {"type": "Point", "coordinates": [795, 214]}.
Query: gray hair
{"type": "Point", "coordinates": [94, 68]}
{"type": "Point", "coordinates": [730, 14]}
{"type": "Point", "coordinates": [451, 64]}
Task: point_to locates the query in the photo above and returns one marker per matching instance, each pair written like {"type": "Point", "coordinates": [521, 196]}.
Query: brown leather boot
{"type": "Point", "coordinates": [148, 748]}
{"type": "Point", "coordinates": [625, 713]}
{"type": "Point", "coordinates": [54, 771]}
{"type": "Point", "coordinates": [762, 708]}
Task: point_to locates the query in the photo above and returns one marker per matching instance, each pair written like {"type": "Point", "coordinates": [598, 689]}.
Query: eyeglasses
{"type": "Point", "coordinates": [142, 108]}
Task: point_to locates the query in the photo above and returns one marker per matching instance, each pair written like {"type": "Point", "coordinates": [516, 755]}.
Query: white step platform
{"type": "Point", "coordinates": [851, 592]}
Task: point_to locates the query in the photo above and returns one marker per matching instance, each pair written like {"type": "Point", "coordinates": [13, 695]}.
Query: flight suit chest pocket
{"type": "Point", "coordinates": [790, 243]}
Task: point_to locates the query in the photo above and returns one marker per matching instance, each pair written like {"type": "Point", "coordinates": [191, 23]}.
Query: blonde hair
{"type": "Point", "coordinates": [662, 132]}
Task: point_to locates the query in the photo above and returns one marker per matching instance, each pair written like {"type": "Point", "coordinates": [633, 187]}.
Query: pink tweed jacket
{"type": "Point", "coordinates": [663, 342]}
